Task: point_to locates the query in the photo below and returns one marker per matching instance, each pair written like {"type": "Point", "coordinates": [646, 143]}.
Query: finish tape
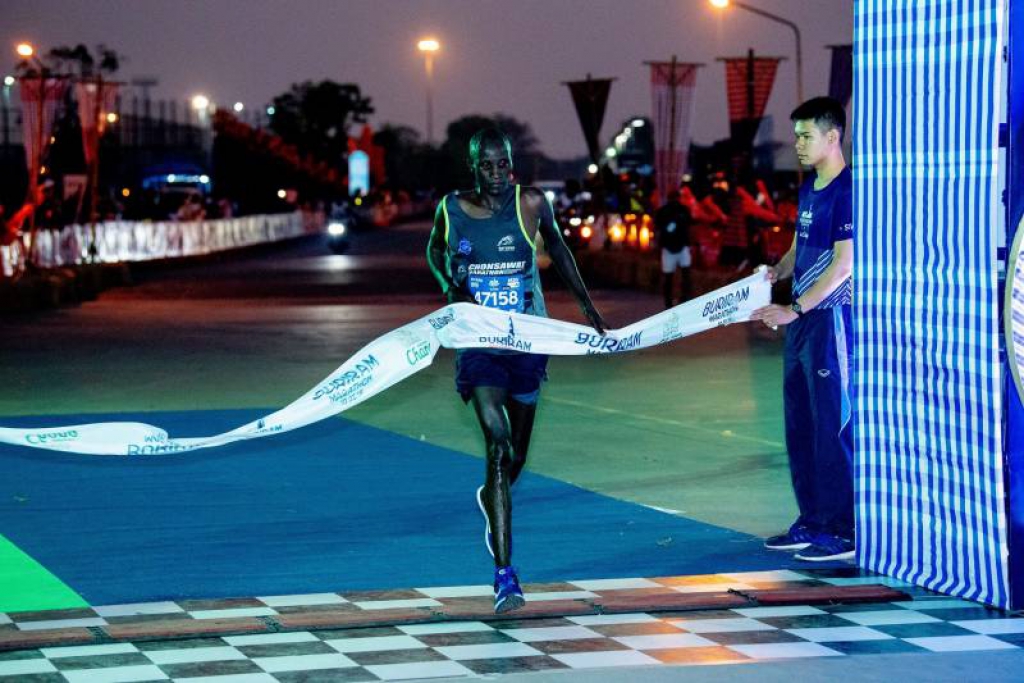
{"type": "Point", "coordinates": [405, 351]}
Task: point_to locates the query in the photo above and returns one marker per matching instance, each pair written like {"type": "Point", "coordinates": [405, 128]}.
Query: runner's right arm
{"type": "Point", "coordinates": [436, 259]}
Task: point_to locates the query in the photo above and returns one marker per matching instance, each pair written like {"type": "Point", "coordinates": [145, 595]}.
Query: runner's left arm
{"type": "Point", "coordinates": [561, 258]}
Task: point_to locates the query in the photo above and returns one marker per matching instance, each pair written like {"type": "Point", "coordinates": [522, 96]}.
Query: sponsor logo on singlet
{"type": "Point", "coordinates": [465, 247]}
{"type": "Point", "coordinates": [497, 268]}
{"type": "Point", "coordinates": [507, 243]}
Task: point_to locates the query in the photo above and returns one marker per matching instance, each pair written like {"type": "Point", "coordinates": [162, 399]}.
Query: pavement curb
{"type": "Point", "coordinates": [55, 287]}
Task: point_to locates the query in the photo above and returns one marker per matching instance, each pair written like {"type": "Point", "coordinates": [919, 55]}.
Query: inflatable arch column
{"type": "Point", "coordinates": [938, 424]}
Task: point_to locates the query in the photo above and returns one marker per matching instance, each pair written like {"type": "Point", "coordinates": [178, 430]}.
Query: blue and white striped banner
{"type": "Point", "coordinates": [1013, 313]}
{"type": "Point", "coordinates": [928, 430]}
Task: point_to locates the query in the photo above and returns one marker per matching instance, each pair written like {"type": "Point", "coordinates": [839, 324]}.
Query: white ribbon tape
{"type": "Point", "coordinates": [405, 351]}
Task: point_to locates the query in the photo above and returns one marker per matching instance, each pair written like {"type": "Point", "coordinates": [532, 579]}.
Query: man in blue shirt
{"type": "Point", "coordinates": [819, 341]}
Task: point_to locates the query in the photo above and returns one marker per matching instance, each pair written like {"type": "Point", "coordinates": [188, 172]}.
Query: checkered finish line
{"type": "Point", "coordinates": [471, 648]}
{"type": "Point", "coordinates": [552, 637]}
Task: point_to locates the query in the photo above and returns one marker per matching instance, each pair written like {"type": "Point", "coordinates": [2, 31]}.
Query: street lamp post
{"type": "Point", "coordinates": [428, 46]}
{"type": "Point", "coordinates": [8, 82]}
{"type": "Point", "coordinates": [28, 55]}
{"type": "Point", "coordinates": [723, 4]}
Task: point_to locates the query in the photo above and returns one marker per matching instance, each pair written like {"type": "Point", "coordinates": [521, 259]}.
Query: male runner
{"type": "Point", "coordinates": [819, 342]}
{"type": "Point", "coordinates": [483, 250]}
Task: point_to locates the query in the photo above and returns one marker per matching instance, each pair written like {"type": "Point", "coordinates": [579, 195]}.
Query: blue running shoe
{"type": "Point", "coordinates": [797, 538]}
{"type": "Point", "coordinates": [488, 541]}
{"type": "Point", "coordinates": [827, 547]}
{"type": "Point", "coordinates": [507, 593]}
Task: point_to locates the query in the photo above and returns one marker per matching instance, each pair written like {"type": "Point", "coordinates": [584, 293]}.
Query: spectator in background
{"type": "Point", "coordinates": [48, 211]}
{"type": "Point", "coordinates": [225, 208]}
{"type": "Point", "coordinates": [702, 211]}
{"type": "Point", "coordinates": [672, 222]}
{"type": "Point", "coordinates": [7, 231]}
{"type": "Point", "coordinates": [740, 238]}
{"type": "Point", "coordinates": [191, 210]}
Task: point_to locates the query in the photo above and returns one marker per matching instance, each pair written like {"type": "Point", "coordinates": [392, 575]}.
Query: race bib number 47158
{"type": "Point", "coordinates": [504, 292]}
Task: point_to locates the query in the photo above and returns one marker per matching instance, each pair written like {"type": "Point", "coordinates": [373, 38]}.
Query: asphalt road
{"type": "Point", "coordinates": [694, 427]}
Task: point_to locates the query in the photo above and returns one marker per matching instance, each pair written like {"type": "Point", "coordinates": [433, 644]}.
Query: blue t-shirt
{"type": "Point", "coordinates": [825, 217]}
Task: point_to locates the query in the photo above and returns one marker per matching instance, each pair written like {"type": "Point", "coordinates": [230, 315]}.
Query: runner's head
{"type": "Point", "coordinates": [490, 160]}
{"type": "Point", "coordinates": [819, 125]}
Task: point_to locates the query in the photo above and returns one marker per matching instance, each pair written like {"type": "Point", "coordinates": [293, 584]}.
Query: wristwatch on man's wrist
{"type": "Point", "coordinates": [797, 308]}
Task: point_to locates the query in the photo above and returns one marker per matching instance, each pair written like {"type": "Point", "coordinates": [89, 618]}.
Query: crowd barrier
{"type": "Point", "coordinates": [124, 241]}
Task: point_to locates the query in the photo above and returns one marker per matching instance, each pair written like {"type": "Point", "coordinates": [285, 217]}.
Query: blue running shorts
{"type": "Point", "coordinates": [520, 374]}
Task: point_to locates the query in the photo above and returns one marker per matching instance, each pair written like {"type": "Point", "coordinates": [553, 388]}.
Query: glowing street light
{"type": "Point", "coordinates": [8, 81]}
{"type": "Point", "coordinates": [201, 103]}
{"type": "Point", "coordinates": [238, 107]}
{"type": "Point", "coordinates": [428, 46]}
{"type": "Point", "coordinates": [25, 50]}
{"type": "Point", "coordinates": [639, 123]}
{"type": "Point", "coordinates": [592, 169]}
{"type": "Point", "coordinates": [725, 4]}
{"type": "Point", "coordinates": [111, 117]}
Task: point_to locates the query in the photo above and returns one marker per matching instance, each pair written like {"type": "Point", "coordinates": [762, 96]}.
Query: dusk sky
{"type": "Point", "coordinates": [506, 56]}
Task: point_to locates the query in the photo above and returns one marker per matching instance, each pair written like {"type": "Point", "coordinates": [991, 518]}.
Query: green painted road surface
{"type": "Point", "coordinates": [25, 585]}
{"type": "Point", "coordinates": [693, 427]}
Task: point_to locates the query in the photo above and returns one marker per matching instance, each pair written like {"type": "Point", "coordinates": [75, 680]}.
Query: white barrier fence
{"type": "Point", "coordinates": [121, 241]}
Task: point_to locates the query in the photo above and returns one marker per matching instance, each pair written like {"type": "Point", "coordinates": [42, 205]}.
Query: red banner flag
{"type": "Point", "coordinates": [96, 99]}
{"type": "Point", "coordinates": [749, 82]}
{"type": "Point", "coordinates": [672, 85]}
{"type": "Point", "coordinates": [40, 101]}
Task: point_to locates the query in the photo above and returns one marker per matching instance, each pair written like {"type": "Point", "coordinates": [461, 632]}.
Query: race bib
{"type": "Point", "coordinates": [503, 292]}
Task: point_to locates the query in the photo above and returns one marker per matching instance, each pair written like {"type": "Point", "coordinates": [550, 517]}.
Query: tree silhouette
{"type": "Point", "coordinates": [316, 117]}
{"type": "Point", "coordinates": [75, 61]}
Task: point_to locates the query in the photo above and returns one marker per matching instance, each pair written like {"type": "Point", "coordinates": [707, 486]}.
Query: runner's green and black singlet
{"type": "Point", "coordinates": [493, 259]}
